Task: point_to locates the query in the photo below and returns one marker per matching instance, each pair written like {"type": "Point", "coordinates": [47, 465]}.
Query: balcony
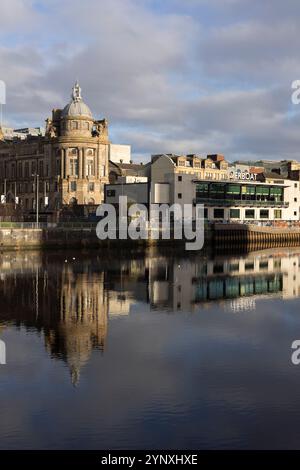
{"type": "Point", "coordinates": [240, 203]}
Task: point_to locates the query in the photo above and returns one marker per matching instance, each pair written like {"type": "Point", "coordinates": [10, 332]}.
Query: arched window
{"type": "Point", "coordinates": [74, 166]}
{"type": "Point", "coordinates": [41, 168]}
{"type": "Point", "coordinates": [90, 166]}
{"type": "Point", "coordinates": [73, 158]}
{"type": "Point", "coordinates": [20, 169]}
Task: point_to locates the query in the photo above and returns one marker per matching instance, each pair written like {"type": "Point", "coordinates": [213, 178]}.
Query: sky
{"type": "Point", "coordinates": [182, 76]}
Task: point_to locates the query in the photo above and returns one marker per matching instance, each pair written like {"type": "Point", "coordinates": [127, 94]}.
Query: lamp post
{"type": "Point", "coordinates": [16, 195]}
{"type": "Point", "coordinates": [45, 194]}
{"type": "Point", "coordinates": [37, 199]}
{"type": "Point", "coordinates": [5, 191]}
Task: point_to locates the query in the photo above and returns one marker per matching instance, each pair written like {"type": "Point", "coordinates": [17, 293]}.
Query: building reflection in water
{"type": "Point", "coordinates": [82, 324]}
{"type": "Point", "coordinates": [70, 302]}
{"type": "Point", "coordinates": [193, 283]}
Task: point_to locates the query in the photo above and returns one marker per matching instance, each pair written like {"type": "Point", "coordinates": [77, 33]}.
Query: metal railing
{"type": "Point", "coordinates": [47, 225]}
{"type": "Point", "coordinates": [24, 225]}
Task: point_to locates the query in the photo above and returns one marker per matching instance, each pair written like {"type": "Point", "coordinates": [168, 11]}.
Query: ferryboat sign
{"type": "Point", "coordinates": [242, 175]}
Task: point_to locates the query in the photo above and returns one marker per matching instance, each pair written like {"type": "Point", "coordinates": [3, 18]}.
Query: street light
{"type": "Point", "coordinates": [37, 199]}
{"type": "Point", "coordinates": [16, 199]}
{"type": "Point", "coordinates": [3, 199]}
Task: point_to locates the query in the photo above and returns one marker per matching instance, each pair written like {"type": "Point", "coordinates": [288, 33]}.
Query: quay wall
{"type": "Point", "coordinates": [254, 236]}
{"type": "Point", "coordinates": [29, 238]}
{"type": "Point", "coordinates": [220, 235]}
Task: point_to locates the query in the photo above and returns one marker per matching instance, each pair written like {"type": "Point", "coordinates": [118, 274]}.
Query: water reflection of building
{"type": "Point", "coordinates": [120, 303]}
{"type": "Point", "coordinates": [82, 323]}
{"type": "Point", "coordinates": [19, 263]}
{"type": "Point", "coordinates": [182, 285]}
{"type": "Point", "coordinates": [126, 283]}
{"type": "Point", "coordinates": [70, 303]}
{"type": "Point", "coordinates": [65, 301]}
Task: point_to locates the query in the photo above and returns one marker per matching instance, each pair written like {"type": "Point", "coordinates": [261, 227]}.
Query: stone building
{"type": "Point", "coordinates": [173, 176]}
{"type": "Point", "coordinates": [70, 162]}
{"type": "Point", "coordinates": [212, 167]}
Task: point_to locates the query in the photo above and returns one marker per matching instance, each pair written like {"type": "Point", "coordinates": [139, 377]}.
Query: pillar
{"type": "Point", "coordinates": [80, 156]}
{"type": "Point", "coordinates": [97, 163]}
{"type": "Point", "coordinates": [83, 163]}
{"type": "Point", "coordinates": [67, 163]}
{"type": "Point", "coordinates": [62, 163]}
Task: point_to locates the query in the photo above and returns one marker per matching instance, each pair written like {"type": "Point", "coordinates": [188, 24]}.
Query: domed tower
{"type": "Point", "coordinates": [76, 117]}
{"type": "Point", "coordinates": [79, 146]}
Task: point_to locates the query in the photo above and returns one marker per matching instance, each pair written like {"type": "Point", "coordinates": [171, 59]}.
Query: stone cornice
{"type": "Point", "coordinates": [76, 140]}
{"type": "Point", "coordinates": [77, 118]}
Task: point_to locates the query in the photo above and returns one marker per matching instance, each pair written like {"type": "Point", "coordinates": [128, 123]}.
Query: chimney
{"type": "Point", "coordinates": [216, 157]}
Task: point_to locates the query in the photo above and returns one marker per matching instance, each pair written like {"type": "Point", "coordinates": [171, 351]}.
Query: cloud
{"type": "Point", "coordinates": [203, 77]}
{"type": "Point", "coordinates": [254, 52]}
{"type": "Point", "coordinates": [16, 14]}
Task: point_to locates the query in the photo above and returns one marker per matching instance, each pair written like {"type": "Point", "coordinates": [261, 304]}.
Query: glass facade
{"type": "Point", "coordinates": [241, 200]}
{"type": "Point", "coordinates": [230, 192]}
{"type": "Point", "coordinates": [217, 190]}
{"type": "Point", "coordinates": [233, 191]}
{"type": "Point", "coordinates": [202, 190]}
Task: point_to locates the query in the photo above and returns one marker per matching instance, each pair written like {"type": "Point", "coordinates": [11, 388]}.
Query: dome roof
{"type": "Point", "coordinates": [77, 106]}
{"type": "Point", "coordinates": [77, 109]}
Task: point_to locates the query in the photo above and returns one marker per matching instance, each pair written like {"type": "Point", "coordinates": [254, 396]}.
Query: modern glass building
{"type": "Point", "coordinates": [244, 201]}
{"type": "Point", "coordinates": [237, 193]}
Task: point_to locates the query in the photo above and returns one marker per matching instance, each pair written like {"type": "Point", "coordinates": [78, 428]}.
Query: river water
{"type": "Point", "coordinates": [149, 350]}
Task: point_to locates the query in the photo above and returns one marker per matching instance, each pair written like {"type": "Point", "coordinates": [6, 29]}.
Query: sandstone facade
{"type": "Point", "coordinates": [70, 162]}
